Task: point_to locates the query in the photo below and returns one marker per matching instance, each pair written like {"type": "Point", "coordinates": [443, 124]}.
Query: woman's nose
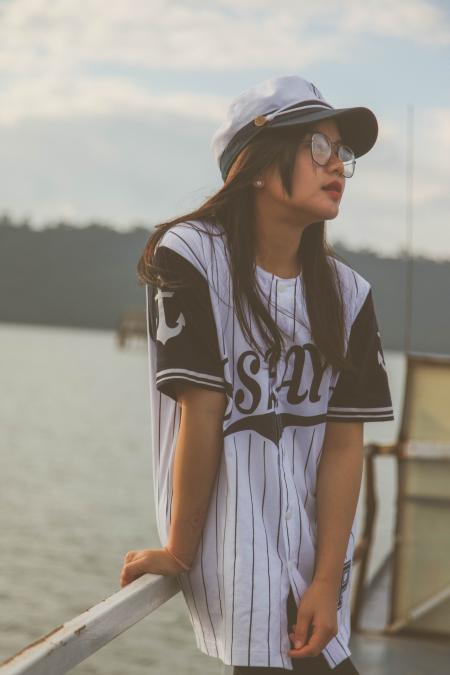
{"type": "Point", "coordinates": [335, 163]}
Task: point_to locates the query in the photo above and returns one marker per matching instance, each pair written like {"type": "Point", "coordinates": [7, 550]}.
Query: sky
{"type": "Point", "coordinates": [108, 108]}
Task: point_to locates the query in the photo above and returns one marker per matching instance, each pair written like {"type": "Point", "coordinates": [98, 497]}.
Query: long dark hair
{"type": "Point", "coordinates": [232, 208]}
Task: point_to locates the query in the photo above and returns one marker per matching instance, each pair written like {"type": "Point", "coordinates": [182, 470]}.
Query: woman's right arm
{"type": "Point", "coordinates": [197, 457]}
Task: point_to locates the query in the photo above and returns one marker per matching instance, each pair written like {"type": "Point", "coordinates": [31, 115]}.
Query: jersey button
{"type": "Point", "coordinates": [288, 514]}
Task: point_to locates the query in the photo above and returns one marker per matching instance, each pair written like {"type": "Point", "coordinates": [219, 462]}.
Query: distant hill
{"type": "Point", "coordinates": [86, 277]}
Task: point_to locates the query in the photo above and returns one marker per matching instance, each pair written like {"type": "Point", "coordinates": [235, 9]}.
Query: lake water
{"type": "Point", "coordinates": [76, 493]}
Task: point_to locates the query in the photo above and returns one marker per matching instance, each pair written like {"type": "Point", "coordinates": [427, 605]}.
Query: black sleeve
{"type": "Point", "coordinates": [363, 396]}
{"type": "Point", "coordinates": [182, 325]}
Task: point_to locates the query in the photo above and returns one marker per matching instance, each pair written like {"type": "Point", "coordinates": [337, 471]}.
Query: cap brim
{"type": "Point", "coordinates": [358, 126]}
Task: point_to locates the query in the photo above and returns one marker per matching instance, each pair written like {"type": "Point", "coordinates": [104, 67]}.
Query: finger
{"type": "Point", "coordinates": [129, 556]}
{"type": "Point", "coordinates": [140, 557]}
{"type": "Point", "coordinates": [137, 567]}
{"type": "Point", "coordinates": [302, 629]}
{"type": "Point", "coordinates": [315, 645]}
{"type": "Point", "coordinates": [125, 575]}
{"type": "Point", "coordinates": [293, 640]}
{"type": "Point", "coordinates": [133, 570]}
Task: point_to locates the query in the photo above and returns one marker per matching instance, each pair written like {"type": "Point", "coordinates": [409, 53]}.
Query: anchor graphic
{"type": "Point", "coordinates": [164, 331]}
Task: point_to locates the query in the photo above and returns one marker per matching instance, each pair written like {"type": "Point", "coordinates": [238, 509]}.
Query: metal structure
{"type": "Point", "coordinates": [419, 591]}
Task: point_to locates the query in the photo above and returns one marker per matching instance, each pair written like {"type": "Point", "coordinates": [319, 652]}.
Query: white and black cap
{"type": "Point", "coordinates": [284, 101]}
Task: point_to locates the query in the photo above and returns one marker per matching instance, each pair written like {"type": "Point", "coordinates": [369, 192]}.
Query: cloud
{"type": "Point", "coordinates": [63, 58]}
{"type": "Point", "coordinates": [155, 34]}
{"type": "Point", "coordinates": [416, 20]}
{"type": "Point", "coordinates": [52, 97]}
{"type": "Point", "coordinates": [436, 122]}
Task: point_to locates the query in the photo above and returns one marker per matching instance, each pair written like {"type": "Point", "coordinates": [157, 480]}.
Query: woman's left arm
{"type": "Point", "coordinates": [338, 485]}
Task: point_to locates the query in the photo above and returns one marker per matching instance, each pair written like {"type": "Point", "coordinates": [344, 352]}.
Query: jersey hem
{"type": "Point", "coordinates": [209, 647]}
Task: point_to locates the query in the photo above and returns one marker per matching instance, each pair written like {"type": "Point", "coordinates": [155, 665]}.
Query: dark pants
{"type": "Point", "coordinates": [308, 665]}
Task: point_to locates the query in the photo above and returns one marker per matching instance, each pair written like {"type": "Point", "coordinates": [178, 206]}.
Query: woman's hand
{"type": "Point", "coordinates": [318, 606]}
{"type": "Point", "coordinates": [152, 560]}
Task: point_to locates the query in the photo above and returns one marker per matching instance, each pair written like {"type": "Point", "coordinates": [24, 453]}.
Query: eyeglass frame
{"type": "Point", "coordinates": [332, 145]}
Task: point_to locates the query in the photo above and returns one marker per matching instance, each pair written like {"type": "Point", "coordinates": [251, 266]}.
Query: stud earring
{"type": "Point", "coordinates": [258, 183]}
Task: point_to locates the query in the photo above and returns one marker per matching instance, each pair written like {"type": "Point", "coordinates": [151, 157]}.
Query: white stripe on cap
{"type": "Point", "coordinates": [283, 111]}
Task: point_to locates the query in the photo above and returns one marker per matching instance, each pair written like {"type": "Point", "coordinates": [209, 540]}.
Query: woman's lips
{"type": "Point", "coordinates": [334, 194]}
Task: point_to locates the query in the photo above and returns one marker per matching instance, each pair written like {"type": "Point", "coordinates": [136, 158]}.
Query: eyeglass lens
{"type": "Point", "coordinates": [321, 151]}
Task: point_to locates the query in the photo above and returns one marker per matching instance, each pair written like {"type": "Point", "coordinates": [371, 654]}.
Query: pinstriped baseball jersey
{"type": "Point", "coordinates": [260, 532]}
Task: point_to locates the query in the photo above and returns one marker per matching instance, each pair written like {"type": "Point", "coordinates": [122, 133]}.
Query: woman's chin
{"type": "Point", "coordinates": [319, 212]}
{"type": "Point", "coordinates": [328, 213]}
{"type": "Point", "coordinates": [326, 208]}
{"type": "Point", "coordinates": [333, 213]}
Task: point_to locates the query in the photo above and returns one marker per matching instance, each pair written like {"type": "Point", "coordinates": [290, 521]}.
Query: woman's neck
{"type": "Point", "coordinates": [277, 239]}
{"type": "Point", "coordinates": [276, 248]}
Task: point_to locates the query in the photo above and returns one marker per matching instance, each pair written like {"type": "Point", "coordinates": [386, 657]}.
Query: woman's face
{"type": "Point", "coordinates": [308, 196]}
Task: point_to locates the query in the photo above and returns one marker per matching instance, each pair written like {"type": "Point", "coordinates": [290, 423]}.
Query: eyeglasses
{"type": "Point", "coordinates": [321, 148]}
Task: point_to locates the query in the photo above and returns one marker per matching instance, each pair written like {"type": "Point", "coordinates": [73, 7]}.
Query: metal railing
{"type": "Point", "coordinates": [74, 641]}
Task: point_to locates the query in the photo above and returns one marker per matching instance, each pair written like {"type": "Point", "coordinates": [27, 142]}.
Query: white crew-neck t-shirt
{"type": "Point", "coordinates": [260, 532]}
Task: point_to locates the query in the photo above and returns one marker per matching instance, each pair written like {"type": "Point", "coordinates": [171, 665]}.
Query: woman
{"type": "Point", "coordinates": [265, 361]}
